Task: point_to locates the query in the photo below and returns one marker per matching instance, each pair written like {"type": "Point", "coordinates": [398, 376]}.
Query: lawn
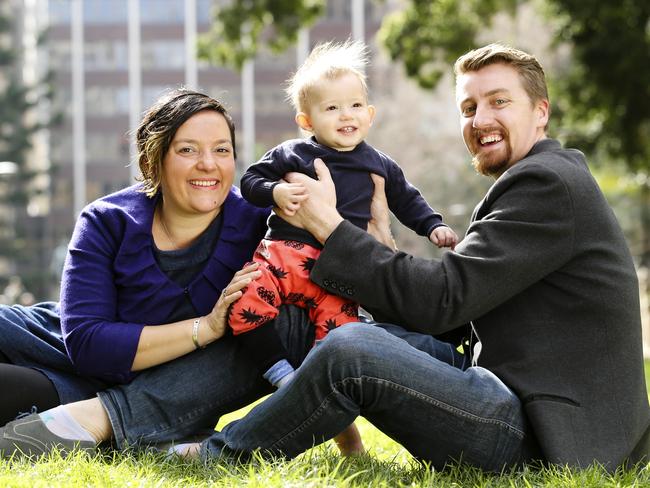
{"type": "Point", "coordinates": [388, 466]}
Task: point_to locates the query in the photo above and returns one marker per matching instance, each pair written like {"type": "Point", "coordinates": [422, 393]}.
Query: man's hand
{"type": "Point", "coordinates": [288, 196]}
{"type": "Point", "coordinates": [444, 237]}
{"type": "Point", "coordinates": [317, 214]}
{"type": "Point", "coordinates": [379, 224]}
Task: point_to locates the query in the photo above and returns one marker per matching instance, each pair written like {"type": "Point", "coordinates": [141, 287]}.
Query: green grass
{"type": "Point", "coordinates": [317, 468]}
{"type": "Point", "coordinates": [388, 465]}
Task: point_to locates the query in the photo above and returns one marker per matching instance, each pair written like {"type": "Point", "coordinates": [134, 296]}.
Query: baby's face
{"type": "Point", "coordinates": [339, 115]}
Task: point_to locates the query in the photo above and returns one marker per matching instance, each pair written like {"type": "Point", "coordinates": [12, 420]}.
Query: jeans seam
{"type": "Point", "coordinates": [317, 412]}
{"type": "Point", "coordinates": [450, 408]}
{"type": "Point", "coordinates": [313, 417]}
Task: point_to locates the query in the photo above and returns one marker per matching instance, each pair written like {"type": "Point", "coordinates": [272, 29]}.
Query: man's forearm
{"type": "Point", "coordinates": [403, 289]}
{"type": "Point", "coordinates": [320, 224]}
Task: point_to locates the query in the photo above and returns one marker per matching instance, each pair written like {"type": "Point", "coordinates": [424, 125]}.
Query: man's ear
{"type": "Point", "coordinates": [303, 121]}
{"type": "Point", "coordinates": [372, 111]}
{"type": "Point", "coordinates": [543, 108]}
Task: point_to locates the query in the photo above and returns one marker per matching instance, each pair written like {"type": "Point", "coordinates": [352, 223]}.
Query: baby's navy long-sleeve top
{"type": "Point", "coordinates": [112, 286]}
{"type": "Point", "coordinates": [350, 171]}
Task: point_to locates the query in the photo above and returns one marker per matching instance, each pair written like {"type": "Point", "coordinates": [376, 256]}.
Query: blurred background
{"type": "Point", "coordinates": [76, 75]}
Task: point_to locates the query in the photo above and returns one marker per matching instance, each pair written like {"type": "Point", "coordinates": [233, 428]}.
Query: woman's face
{"type": "Point", "coordinates": [199, 167]}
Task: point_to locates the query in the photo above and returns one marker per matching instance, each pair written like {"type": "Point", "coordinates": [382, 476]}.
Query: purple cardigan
{"type": "Point", "coordinates": [112, 286]}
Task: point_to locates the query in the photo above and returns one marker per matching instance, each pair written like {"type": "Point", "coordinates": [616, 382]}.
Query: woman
{"type": "Point", "coordinates": [150, 273]}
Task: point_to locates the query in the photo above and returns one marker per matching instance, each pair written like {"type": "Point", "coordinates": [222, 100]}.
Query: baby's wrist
{"type": "Point", "coordinates": [278, 195]}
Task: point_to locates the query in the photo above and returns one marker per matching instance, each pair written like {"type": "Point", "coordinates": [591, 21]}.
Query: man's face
{"type": "Point", "coordinates": [500, 123]}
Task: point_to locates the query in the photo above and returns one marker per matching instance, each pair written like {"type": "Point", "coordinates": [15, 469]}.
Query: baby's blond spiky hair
{"type": "Point", "coordinates": [328, 60]}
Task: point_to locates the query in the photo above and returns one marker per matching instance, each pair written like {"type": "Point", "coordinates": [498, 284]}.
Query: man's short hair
{"type": "Point", "coordinates": [327, 61]}
{"type": "Point", "coordinates": [530, 70]}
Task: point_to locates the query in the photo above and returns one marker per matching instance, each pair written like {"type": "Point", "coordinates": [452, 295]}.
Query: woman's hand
{"type": "Point", "coordinates": [161, 343]}
{"type": "Point", "coordinates": [217, 319]}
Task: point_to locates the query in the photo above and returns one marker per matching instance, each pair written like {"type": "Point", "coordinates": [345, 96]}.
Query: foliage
{"type": "Point", "coordinates": [608, 88]}
{"type": "Point", "coordinates": [17, 129]}
{"type": "Point", "coordinates": [17, 99]}
{"type": "Point", "coordinates": [427, 36]}
{"type": "Point", "coordinates": [239, 28]}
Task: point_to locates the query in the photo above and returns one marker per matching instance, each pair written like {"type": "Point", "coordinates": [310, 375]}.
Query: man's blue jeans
{"type": "Point", "coordinates": [424, 397]}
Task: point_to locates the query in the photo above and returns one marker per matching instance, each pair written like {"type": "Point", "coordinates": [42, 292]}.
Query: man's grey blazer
{"type": "Point", "coordinates": [545, 275]}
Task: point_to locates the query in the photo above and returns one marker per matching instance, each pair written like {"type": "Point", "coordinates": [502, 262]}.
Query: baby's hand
{"type": "Point", "coordinates": [444, 237]}
{"type": "Point", "coordinates": [288, 196]}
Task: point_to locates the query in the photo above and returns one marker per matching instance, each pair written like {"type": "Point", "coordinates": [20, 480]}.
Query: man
{"type": "Point", "coordinates": [543, 287]}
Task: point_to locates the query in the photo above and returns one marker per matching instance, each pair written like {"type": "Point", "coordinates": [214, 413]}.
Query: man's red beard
{"type": "Point", "coordinates": [492, 163]}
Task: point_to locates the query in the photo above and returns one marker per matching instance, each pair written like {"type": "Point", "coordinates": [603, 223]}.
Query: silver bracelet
{"type": "Point", "coordinates": [195, 333]}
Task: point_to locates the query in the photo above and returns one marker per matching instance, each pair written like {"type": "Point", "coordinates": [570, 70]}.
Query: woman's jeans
{"type": "Point", "coordinates": [186, 397]}
{"type": "Point", "coordinates": [420, 394]}
{"type": "Point", "coordinates": [31, 337]}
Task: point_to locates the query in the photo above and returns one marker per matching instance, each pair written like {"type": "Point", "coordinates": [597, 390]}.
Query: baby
{"type": "Point", "coordinates": [330, 95]}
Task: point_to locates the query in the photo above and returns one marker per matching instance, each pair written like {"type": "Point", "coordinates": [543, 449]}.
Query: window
{"type": "Point", "coordinates": [59, 54]}
{"type": "Point", "coordinates": [61, 147]}
{"type": "Point", "coordinates": [204, 11]}
{"type": "Point", "coordinates": [151, 93]}
{"type": "Point", "coordinates": [104, 148]}
{"type": "Point", "coordinates": [270, 100]}
{"type": "Point", "coordinates": [162, 11]}
{"type": "Point", "coordinates": [283, 61]}
{"type": "Point", "coordinates": [107, 100]}
{"type": "Point", "coordinates": [106, 55]}
{"type": "Point", "coordinates": [158, 53]}
{"type": "Point", "coordinates": [59, 11]}
{"type": "Point", "coordinates": [105, 11]}
{"type": "Point", "coordinates": [230, 96]}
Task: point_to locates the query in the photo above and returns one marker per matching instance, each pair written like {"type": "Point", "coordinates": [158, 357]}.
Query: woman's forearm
{"type": "Point", "coordinates": [162, 343]}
